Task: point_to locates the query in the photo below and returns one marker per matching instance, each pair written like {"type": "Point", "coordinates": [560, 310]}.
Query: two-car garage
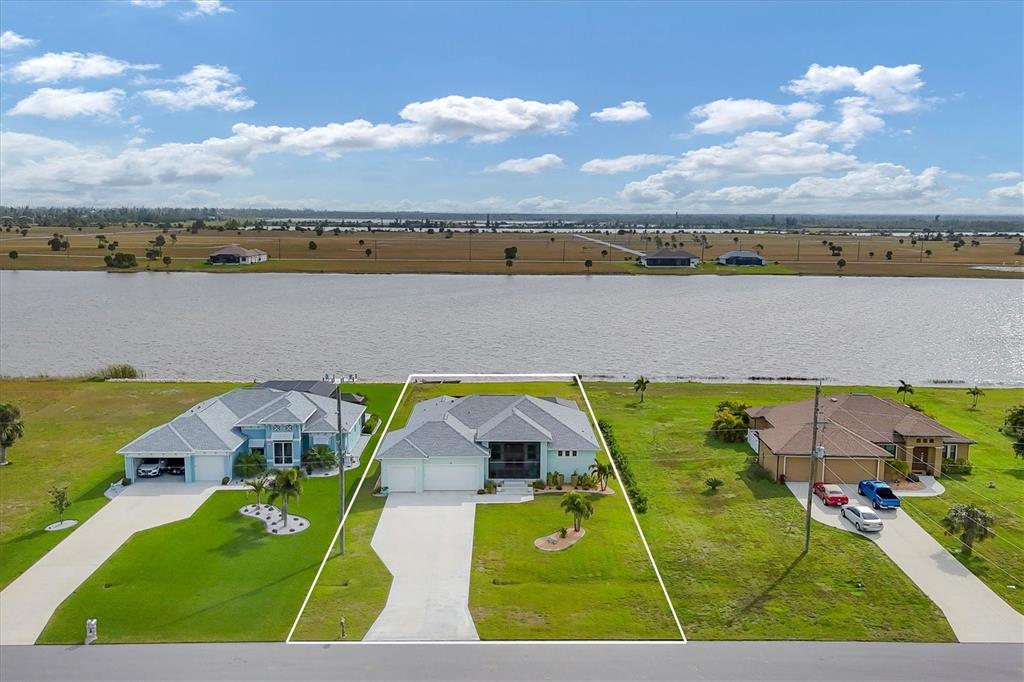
{"type": "Point", "coordinates": [419, 475]}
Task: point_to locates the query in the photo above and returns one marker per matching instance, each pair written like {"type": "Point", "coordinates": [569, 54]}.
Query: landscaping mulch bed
{"type": "Point", "coordinates": [556, 543]}
{"type": "Point", "coordinates": [271, 518]}
{"type": "Point", "coordinates": [907, 485]}
{"type": "Point", "coordinates": [567, 487]}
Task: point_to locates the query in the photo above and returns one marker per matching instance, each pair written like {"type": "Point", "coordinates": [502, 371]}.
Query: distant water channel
{"type": "Point", "coordinates": [245, 326]}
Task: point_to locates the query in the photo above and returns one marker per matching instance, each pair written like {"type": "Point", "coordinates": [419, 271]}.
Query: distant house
{"type": "Point", "coordinates": [233, 254]}
{"type": "Point", "coordinates": [859, 432]}
{"type": "Point", "coordinates": [670, 258]}
{"type": "Point", "coordinates": [741, 258]}
{"type": "Point", "coordinates": [459, 443]}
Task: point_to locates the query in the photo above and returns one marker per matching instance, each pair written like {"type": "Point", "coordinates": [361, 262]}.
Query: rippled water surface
{"type": "Point", "coordinates": [245, 326]}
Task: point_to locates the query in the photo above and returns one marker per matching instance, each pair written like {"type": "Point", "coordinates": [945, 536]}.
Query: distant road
{"type": "Point", "coordinates": [620, 247]}
{"type": "Point", "coordinates": [498, 662]}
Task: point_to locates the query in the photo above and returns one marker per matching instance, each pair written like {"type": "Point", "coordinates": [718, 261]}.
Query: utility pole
{"type": "Point", "coordinates": [812, 470]}
{"type": "Point", "coordinates": [341, 477]}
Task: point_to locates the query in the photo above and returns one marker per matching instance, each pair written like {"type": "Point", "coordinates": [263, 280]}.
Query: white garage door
{"type": "Point", "coordinates": [401, 478]}
{"type": "Point", "coordinates": [209, 468]}
{"type": "Point", "coordinates": [451, 476]}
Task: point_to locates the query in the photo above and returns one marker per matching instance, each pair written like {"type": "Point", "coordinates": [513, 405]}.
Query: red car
{"type": "Point", "coordinates": [831, 494]}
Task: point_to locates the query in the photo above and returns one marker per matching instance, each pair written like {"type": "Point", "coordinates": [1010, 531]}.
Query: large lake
{"type": "Point", "coordinates": [245, 326]}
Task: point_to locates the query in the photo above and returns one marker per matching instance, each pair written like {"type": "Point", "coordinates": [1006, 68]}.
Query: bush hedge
{"type": "Point", "coordinates": [637, 496]}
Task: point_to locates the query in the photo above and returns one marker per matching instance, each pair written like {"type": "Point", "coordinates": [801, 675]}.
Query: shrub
{"type": "Point", "coordinates": [481, 491]}
{"type": "Point", "coordinates": [312, 246]}
{"type": "Point", "coordinates": [538, 485]}
{"type": "Point", "coordinates": [225, 480]}
{"type": "Point", "coordinates": [758, 472]}
{"type": "Point", "coordinates": [622, 464]}
{"type": "Point", "coordinates": [121, 260]}
{"type": "Point", "coordinates": [563, 532]}
{"type": "Point", "coordinates": [371, 423]}
{"type": "Point", "coordinates": [901, 466]}
{"type": "Point", "coordinates": [117, 371]}
{"type": "Point", "coordinates": [586, 481]}
{"type": "Point", "coordinates": [126, 481]}
{"type": "Point", "coordinates": [250, 465]}
{"type": "Point", "coordinates": [962, 468]}
{"type": "Point", "coordinates": [13, 255]}
{"type": "Point", "coordinates": [713, 483]}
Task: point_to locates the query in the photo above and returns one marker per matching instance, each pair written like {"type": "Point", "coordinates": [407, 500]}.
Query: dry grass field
{"type": "Point", "coordinates": [540, 253]}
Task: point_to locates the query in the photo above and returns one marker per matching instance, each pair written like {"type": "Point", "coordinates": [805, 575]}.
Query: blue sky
{"type": "Point", "coordinates": [859, 108]}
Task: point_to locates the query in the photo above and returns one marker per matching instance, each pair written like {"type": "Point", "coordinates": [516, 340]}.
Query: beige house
{"type": "Point", "coordinates": [859, 432]}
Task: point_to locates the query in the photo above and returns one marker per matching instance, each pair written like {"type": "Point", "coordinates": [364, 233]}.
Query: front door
{"type": "Point", "coordinates": [920, 463]}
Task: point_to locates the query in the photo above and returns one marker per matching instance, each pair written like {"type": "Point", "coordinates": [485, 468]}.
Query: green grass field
{"type": "Point", "coordinates": [216, 576]}
{"type": "Point", "coordinates": [72, 432]}
{"type": "Point", "coordinates": [732, 559]}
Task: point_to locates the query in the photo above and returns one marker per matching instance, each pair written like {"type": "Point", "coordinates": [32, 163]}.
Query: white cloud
{"type": "Point", "coordinates": [55, 66]}
{"type": "Point", "coordinates": [731, 115]}
{"type": "Point", "coordinates": [9, 40]}
{"type": "Point", "coordinates": [214, 87]}
{"type": "Point", "coordinates": [483, 119]}
{"type": "Point", "coordinates": [1008, 175]}
{"type": "Point", "coordinates": [206, 8]}
{"type": "Point", "coordinates": [740, 195]}
{"type": "Point", "coordinates": [194, 197]}
{"type": "Point", "coordinates": [889, 88]}
{"type": "Point", "coordinates": [529, 166]}
{"type": "Point", "coordinates": [624, 164]}
{"type": "Point", "coordinates": [541, 204]}
{"type": "Point", "coordinates": [66, 103]}
{"type": "Point", "coordinates": [627, 112]}
{"type": "Point", "coordinates": [1013, 195]}
{"type": "Point", "coordinates": [878, 182]}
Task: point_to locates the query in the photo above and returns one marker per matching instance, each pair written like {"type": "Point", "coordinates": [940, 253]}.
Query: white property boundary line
{"type": "Point", "coordinates": [629, 505]}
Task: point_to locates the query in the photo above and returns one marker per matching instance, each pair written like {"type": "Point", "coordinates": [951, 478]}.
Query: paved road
{"type": "Point", "coordinates": [426, 541]}
{"type": "Point", "coordinates": [500, 662]}
{"type": "Point", "coordinates": [27, 603]}
{"type": "Point", "coordinates": [974, 611]}
{"type": "Point", "coordinates": [620, 247]}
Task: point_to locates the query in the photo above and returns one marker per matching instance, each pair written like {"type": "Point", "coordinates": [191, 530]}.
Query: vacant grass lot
{"type": "Point", "coordinates": [216, 576]}
{"type": "Point", "coordinates": [72, 432]}
{"type": "Point", "coordinates": [732, 560]}
{"type": "Point", "coordinates": [560, 253]}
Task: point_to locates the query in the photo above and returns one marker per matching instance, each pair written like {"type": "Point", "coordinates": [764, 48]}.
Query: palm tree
{"type": "Point", "coordinates": [972, 523]}
{"type": "Point", "coordinates": [975, 393]}
{"type": "Point", "coordinates": [577, 505]}
{"type": "Point", "coordinates": [321, 457]}
{"type": "Point", "coordinates": [906, 389]}
{"type": "Point", "coordinates": [285, 486]}
{"type": "Point", "coordinates": [602, 472]}
{"type": "Point", "coordinates": [258, 485]}
{"type": "Point", "coordinates": [11, 429]}
{"type": "Point", "coordinates": [640, 385]}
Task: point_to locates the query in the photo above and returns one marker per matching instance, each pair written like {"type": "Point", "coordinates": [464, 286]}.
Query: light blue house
{"type": "Point", "coordinates": [282, 425]}
{"type": "Point", "coordinates": [458, 443]}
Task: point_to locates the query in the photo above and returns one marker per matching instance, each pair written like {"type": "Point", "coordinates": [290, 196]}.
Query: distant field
{"type": "Point", "coordinates": [540, 253]}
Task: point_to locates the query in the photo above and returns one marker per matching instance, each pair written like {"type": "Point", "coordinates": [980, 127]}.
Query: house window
{"type": "Point", "coordinates": [949, 451]}
{"type": "Point", "coordinates": [532, 452]}
{"type": "Point", "coordinates": [889, 447]}
{"type": "Point", "coordinates": [283, 452]}
{"type": "Point", "coordinates": [496, 451]}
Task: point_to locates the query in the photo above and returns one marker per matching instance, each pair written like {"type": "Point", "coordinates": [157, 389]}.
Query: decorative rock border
{"type": "Point", "coordinates": [556, 543]}
{"type": "Point", "coordinates": [567, 487]}
{"type": "Point", "coordinates": [62, 525]}
{"type": "Point", "coordinates": [271, 518]}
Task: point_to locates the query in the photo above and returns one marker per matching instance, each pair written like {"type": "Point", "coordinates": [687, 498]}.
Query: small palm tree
{"type": "Point", "coordinates": [640, 386]}
{"type": "Point", "coordinates": [321, 457]}
{"type": "Point", "coordinates": [577, 505]}
{"type": "Point", "coordinates": [905, 389]}
{"type": "Point", "coordinates": [285, 486]}
{"type": "Point", "coordinates": [972, 523]}
{"type": "Point", "coordinates": [975, 393]}
{"type": "Point", "coordinates": [602, 472]}
{"type": "Point", "coordinates": [259, 486]}
{"type": "Point", "coordinates": [11, 429]}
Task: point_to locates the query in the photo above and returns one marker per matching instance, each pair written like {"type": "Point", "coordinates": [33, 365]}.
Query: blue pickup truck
{"type": "Point", "coordinates": [880, 494]}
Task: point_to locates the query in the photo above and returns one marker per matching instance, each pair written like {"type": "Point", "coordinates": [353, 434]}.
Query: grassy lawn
{"type": "Point", "coordinates": [72, 431]}
{"type": "Point", "coordinates": [216, 576]}
{"type": "Point", "coordinates": [732, 560]}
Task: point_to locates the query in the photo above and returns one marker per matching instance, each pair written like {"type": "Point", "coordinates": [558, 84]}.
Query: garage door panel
{"type": "Point", "coordinates": [451, 476]}
{"type": "Point", "coordinates": [209, 468]}
{"type": "Point", "coordinates": [401, 478]}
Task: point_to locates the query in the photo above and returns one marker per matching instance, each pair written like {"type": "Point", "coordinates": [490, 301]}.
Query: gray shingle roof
{"type": "Point", "coordinates": [454, 427]}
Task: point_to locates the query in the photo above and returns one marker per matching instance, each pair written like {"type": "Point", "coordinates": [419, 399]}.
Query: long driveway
{"type": "Point", "coordinates": [28, 602]}
{"type": "Point", "coordinates": [426, 541]}
{"type": "Point", "coordinates": [975, 612]}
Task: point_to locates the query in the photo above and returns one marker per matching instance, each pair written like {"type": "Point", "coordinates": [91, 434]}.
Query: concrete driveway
{"type": "Point", "coordinates": [426, 541]}
{"type": "Point", "coordinates": [27, 603]}
{"type": "Point", "coordinates": [975, 612]}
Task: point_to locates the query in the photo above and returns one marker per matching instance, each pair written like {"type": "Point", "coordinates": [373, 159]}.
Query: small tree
{"type": "Point", "coordinates": [904, 389]}
{"type": "Point", "coordinates": [975, 393]}
{"type": "Point", "coordinates": [1013, 426]}
{"type": "Point", "coordinates": [640, 386]}
{"type": "Point", "coordinates": [321, 457]}
{"type": "Point", "coordinates": [604, 252]}
{"type": "Point", "coordinates": [970, 522]}
{"type": "Point", "coordinates": [602, 472]}
{"type": "Point", "coordinates": [250, 465]}
{"type": "Point", "coordinates": [259, 487]}
{"type": "Point", "coordinates": [312, 245]}
{"type": "Point", "coordinates": [509, 263]}
{"type": "Point", "coordinates": [13, 255]}
{"type": "Point", "coordinates": [579, 506]}
{"type": "Point", "coordinates": [713, 483]}
{"type": "Point", "coordinates": [167, 261]}
{"type": "Point", "coordinates": [11, 429]}
{"type": "Point", "coordinates": [59, 500]}
{"type": "Point", "coordinates": [730, 421]}
{"type": "Point", "coordinates": [285, 486]}
{"type": "Point", "coordinates": [588, 264]}
{"type": "Point", "coordinates": [511, 252]}
{"type": "Point", "coordinates": [841, 263]}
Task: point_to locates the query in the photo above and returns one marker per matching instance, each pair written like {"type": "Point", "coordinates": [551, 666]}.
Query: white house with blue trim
{"type": "Point", "coordinates": [459, 443]}
{"type": "Point", "coordinates": [281, 424]}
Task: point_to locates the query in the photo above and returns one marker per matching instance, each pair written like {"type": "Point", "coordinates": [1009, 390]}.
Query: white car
{"type": "Point", "coordinates": [150, 468]}
{"type": "Point", "coordinates": [862, 517]}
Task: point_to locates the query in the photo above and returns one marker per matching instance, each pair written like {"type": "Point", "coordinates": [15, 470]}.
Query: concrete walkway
{"type": "Point", "coordinates": [426, 541]}
{"type": "Point", "coordinates": [27, 603]}
{"type": "Point", "coordinates": [975, 612]}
